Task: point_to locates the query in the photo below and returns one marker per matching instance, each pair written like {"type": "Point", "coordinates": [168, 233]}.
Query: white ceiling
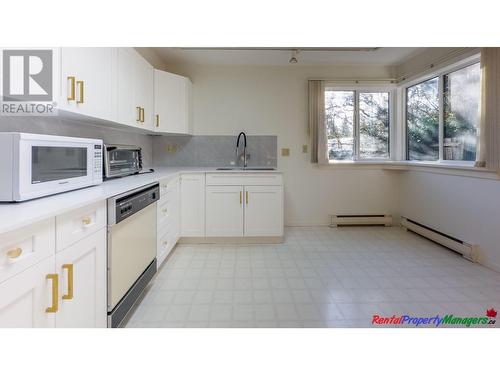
{"type": "Point", "coordinates": [386, 56]}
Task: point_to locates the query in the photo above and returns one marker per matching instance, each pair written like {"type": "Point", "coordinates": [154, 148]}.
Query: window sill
{"type": "Point", "coordinates": [429, 167]}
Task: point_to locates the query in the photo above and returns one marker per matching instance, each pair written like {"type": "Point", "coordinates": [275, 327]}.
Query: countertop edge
{"type": "Point", "coordinates": [57, 204]}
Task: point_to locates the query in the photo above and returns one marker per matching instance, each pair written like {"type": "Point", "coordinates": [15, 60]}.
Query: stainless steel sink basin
{"type": "Point", "coordinates": [246, 169]}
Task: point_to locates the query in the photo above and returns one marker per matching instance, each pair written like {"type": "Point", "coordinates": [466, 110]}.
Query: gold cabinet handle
{"type": "Point", "coordinates": [86, 221]}
{"type": "Point", "coordinates": [69, 295]}
{"type": "Point", "coordinates": [138, 114]}
{"type": "Point", "coordinates": [55, 293]}
{"type": "Point", "coordinates": [142, 114]}
{"type": "Point", "coordinates": [81, 99]}
{"type": "Point", "coordinates": [241, 197]}
{"type": "Point", "coordinates": [14, 253]}
{"type": "Point", "coordinates": [72, 81]}
{"type": "Point", "coordinates": [246, 197]}
{"type": "Point", "coordinates": [157, 121]}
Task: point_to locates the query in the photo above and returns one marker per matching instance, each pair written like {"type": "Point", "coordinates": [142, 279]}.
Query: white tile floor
{"type": "Point", "coordinates": [320, 277]}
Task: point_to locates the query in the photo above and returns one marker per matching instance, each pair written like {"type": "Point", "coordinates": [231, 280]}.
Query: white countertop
{"type": "Point", "coordinates": [17, 215]}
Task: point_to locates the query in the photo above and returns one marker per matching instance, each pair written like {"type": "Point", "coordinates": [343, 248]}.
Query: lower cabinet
{"type": "Point", "coordinates": [46, 285]}
{"type": "Point", "coordinates": [168, 218]}
{"type": "Point", "coordinates": [82, 283]}
{"type": "Point", "coordinates": [249, 211]}
{"type": "Point", "coordinates": [26, 296]}
{"type": "Point", "coordinates": [263, 211]}
{"type": "Point", "coordinates": [224, 211]}
{"type": "Point", "coordinates": [193, 205]}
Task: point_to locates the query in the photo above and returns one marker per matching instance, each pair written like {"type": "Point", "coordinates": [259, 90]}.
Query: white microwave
{"type": "Point", "coordinates": [36, 165]}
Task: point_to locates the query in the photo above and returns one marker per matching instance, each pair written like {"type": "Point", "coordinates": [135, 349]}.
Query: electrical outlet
{"type": "Point", "coordinates": [285, 152]}
{"type": "Point", "coordinates": [171, 149]}
{"type": "Point", "coordinates": [304, 149]}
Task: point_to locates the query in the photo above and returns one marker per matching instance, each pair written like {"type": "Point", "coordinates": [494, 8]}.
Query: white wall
{"type": "Point", "coordinates": [273, 101]}
{"type": "Point", "coordinates": [463, 207]}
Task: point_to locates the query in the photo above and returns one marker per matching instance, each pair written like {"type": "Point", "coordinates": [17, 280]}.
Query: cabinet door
{"type": "Point", "coordinates": [224, 211]}
{"type": "Point", "coordinates": [263, 211]}
{"type": "Point", "coordinates": [25, 297]}
{"type": "Point", "coordinates": [193, 205]}
{"type": "Point", "coordinates": [128, 112]}
{"type": "Point", "coordinates": [82, 287]}
{"type": "Point", "coordinates": [144, 91]}
{"type": "Point", "coordinates": [88, 81]}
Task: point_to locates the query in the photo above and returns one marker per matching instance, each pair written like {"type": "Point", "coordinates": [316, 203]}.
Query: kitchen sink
{"type": "Point", "coordinates": [246, 169]}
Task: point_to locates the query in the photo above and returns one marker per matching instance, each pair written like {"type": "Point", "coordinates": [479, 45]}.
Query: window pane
{"type": "Point", "coordinates": [461, 107]}
{"type": "Point", "coordinates": [339, 118]}
{"type": "Point", "coordinates": [422, 120]}
{"type": "Point", "coordinates": [374, 124]}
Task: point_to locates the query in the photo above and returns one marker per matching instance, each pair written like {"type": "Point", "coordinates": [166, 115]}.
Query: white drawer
{"type": "Point", "coordinates": [22, 248]}
{"type": "Point", "coordinates": [77, 224]}
{"type": "Point", "coordinates": [246, 178]}
{"type": "Point", "coordinates": [165, 244]}
{"type": "Point", "coordinates": [168, 184]}
{"type": "Point", "coordinates": [168, 211]}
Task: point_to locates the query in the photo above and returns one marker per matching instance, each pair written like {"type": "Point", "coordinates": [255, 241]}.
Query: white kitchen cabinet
{"type": "Point", "coordinates": [134, 89]}
{"type": "Point", "coordinates": [82, 283]}
{"type": "Point", "coordinates": [263, 211]}
{"type": "Point", "coordinates": [168, 221]}
{"type": "Point", "coordinates": [27, 295]}
{"type": "Point", "coordinates": [88, 81]}
{"type": "Point", "coordinates": [258, 214]}
{"type": "Point", "coordinates": [224, 211]}
{"type": "Point", "coordinates": [172, 103]}
{"type": "Point", "coordinates": [193, 205]}
{"type": "Point", "coordinates": [53, 272]}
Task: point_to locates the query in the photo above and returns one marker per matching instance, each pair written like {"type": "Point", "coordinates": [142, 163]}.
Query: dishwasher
{"type": "Point", "coordinates": [131, 248]}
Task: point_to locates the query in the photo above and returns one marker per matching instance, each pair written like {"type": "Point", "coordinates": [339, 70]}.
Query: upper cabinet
{"type": "Point", "coordinates": [134, 89]}
{"type": "Point", "coordinates": [119, 85]}
{"type": "Point", "coordinates": [172, 103]}
{"type": "Point", "coordinates": [88, 81]}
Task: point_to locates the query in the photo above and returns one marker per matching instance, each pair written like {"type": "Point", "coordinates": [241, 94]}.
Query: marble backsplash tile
{"type": "Point", "coordinates": [213, 151]}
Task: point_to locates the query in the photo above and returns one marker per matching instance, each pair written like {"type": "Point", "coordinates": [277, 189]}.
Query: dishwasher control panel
{"type": "Point", "coordinates": [128, 204]}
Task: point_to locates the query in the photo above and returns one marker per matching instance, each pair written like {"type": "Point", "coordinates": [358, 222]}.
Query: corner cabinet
{"type": "Point", "coordinates": [172, 103]}
{"type": "Point", "coordinates": [193, 205]}
{"type": "Point", "coordinates": [244, 205]}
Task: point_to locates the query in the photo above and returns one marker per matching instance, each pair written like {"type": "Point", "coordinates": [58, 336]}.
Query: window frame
{"type": "Point", "coordinates": [436, 73]}
{"type": "Point", "coordinates": [366, 88]}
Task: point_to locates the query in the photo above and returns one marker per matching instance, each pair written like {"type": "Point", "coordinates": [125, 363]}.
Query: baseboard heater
{"type": "Point", "coordinates": [361, 220]}
{"type": "Point", "coordinates": [467, 250]}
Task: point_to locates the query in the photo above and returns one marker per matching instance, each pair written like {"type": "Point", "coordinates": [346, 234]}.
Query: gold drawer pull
{"type": "Point", "coordinates": [72, 81]}
{"type": "Point", "coordinates": [69, 295]}
{"type": "Point", "coordinates": [246, 197]}
{"type": "Point", "coordinates": [241, 199]}
{"type": "Point", "coordinates": [86, 221]}
{"type": "Point", "coordinates": [157, 121]}
{"type": "Point", "coordinates": [81, 99]}
{"type": "Point", "coordinates": [14, 253]}
{"type": "Point", "coordinates": [55, 290]}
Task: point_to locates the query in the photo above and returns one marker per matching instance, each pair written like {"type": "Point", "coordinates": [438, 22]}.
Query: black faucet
{"type": "Point", "coordinates": [244, 148]}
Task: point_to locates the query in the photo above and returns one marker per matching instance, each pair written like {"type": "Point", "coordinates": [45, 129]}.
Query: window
{"type": "Point", "coordinates": [451, 136]}
{"type": "Point", "coordinates": [357, 124]}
